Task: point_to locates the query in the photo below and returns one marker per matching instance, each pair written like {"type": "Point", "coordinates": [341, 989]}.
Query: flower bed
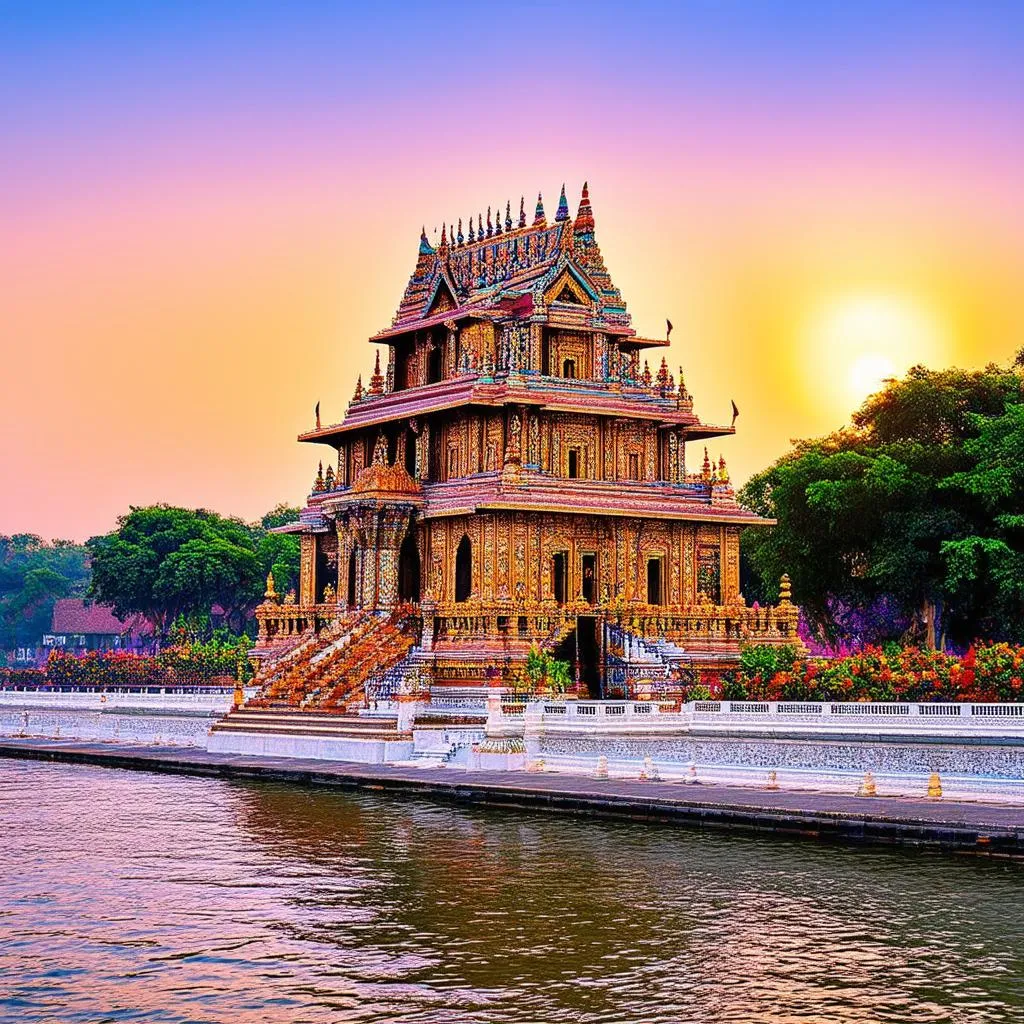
{"type": "Point", "coordinates": [992, 672]}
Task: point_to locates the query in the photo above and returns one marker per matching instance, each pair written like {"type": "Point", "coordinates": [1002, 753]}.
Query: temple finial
{"type": "Point", "coordinates": [270, 594]}
{"type": "Point", "coordinates": [426, 249]}
{"type": "Point", "coordinates": [479, 226]}
{"type": "Point", "coordinates": [359, 389]}
{"type": "Point", "coordinates": [522, 211]}
{"type": "Point", "coordinates": [539, 220]}
{"type": "Point", "coordinates": [585, 215]}
{"type": "Point", "coordinates": [490, 226]}
{"type": "Point", "coordinates": [723, 473]}
{"type": "Point", "coordinates": [497, 219]}
{"type": "Point", "coordinates": [461, 239]}
{"type": "Point", "coordinates": [705, 470]}
{"type": "Point", "coordinates": [444, 236]}
{"type": "Point", "coordinates": [563, 206]}
{"type": "Point", "coordinates": [508, 214]}
{"type": "Point", "coordinates": [377, 380]}
{"type": "Point", "coordinates": [472, 233]}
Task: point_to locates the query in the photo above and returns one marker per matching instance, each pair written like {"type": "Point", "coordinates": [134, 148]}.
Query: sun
{"type": "Point", "coordinates": [855, 343]}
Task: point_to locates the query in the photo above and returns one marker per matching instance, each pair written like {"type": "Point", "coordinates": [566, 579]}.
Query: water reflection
{"type": "Point", "coordinates": [150, 898]}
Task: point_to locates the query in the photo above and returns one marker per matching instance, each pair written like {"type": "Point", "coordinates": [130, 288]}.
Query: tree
{"type": "Point", "coordinates": [164, 562]}
{"type": "Point", "coordinates": [33, 575]}
{"type": "Point", "coordinates": [866, 515]}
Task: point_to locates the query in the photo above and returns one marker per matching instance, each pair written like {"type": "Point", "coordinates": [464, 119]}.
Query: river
{"type": "Point", "coordinates": [136, 897]}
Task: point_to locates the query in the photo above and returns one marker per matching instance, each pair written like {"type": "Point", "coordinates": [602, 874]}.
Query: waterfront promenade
{"type": "Point", "coordinates": [955, 826]}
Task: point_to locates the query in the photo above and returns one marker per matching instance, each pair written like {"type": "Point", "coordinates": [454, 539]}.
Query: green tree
{"type": "Point", "coordinates": [867, 514]}
{"type": "Point", "coordinates": [33, 575]}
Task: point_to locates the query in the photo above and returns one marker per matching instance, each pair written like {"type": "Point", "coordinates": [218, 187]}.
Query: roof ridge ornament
{"type": "Point", "coordinates": [563, 206]}
{"type": "Point", "coordinates": [522, 211]}
{"type": "Point", "coordinates": [539, 220]}
{"type": "Point", "coordinates": [426, 249]}
{"type": "Point", "coordinates": [585, 215]}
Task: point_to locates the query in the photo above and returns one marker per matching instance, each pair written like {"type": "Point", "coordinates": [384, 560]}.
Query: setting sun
{"type": "Point", "coordinates": [855, 343]}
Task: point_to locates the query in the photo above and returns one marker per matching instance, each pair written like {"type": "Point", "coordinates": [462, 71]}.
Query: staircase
{"type": "Point", "coordinates": [290, 732]}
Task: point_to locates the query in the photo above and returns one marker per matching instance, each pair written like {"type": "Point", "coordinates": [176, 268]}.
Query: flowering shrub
{"type": "Point", "coordinates": [886, 673]}
{"type": "Point", "coordinates": [21, 676]}
{"type": "Point", "coordinates": [189, 664]}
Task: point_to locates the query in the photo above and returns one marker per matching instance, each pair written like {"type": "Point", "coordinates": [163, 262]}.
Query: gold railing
{"type": "Point", "coordinates": [283, 621]}
{"type": "Point", "coordinates": [542, 624]}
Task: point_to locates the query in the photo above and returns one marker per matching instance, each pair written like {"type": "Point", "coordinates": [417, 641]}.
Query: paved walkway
{"type": "Point", "coordinates": [985, 828]}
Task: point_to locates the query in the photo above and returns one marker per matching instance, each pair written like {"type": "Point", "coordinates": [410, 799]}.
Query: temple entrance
{"type": "Point", "coordinates": [463, 569]}
{"type": "Point", "coordinates": [352, 597]}
{"type": "Point", "coordinates": [582, 651]}
{"type": "Point", "coordinates": [409, 570]}
{"type": "Point", "coordinates": [326, 572]}
{"type": "Point", "coordinates": [654, 581]}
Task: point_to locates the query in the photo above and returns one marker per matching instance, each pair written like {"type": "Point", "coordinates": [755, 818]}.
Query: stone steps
{"type": "Point", "coordinates": [306, 724]}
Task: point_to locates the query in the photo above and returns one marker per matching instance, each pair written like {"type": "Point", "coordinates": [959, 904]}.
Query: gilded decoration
{"type": "Point", "coordinates": [541, 427]}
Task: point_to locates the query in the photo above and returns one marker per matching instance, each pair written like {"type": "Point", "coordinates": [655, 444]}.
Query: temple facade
{"type": "Point", "coordinates": [514, 476]}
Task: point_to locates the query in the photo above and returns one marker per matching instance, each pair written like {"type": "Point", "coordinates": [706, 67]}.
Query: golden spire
{"type": "Point", "coordinates": [270, 594]}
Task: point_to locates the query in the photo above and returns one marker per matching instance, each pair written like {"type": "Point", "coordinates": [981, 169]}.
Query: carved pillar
{"type": "Point", "coordinates": [307, 568]}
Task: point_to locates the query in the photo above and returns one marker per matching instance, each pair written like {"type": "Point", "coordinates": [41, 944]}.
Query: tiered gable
{"type": "Point", "coordinates": [485, 272]}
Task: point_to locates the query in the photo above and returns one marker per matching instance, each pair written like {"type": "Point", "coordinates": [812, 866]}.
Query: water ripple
{"type": "Point", "coordinates": [133, 897]}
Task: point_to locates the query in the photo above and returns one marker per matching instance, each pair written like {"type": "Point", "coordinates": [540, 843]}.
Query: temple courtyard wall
{"type": "Point", "coordinates": [179, 720]}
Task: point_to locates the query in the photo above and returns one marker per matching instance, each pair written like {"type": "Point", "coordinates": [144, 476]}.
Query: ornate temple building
{"type": "Point", "coordinates": [515, 476]}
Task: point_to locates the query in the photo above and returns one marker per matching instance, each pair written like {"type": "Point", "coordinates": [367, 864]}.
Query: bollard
{"type": "Point", "coordinates": [649, 772]}
{"type": "Point", "coordinates": [773, 781]}
{"type": "Point", "coordinates": [601, 772]}
{"type": "Point", "coordinates": [691, 775]}
{"type": "Point", "coordinates": [536, 766]}
{"type": "Point", "coordinates": [867, 787]}
{"type": "Point", "coordinates": [934, 786]}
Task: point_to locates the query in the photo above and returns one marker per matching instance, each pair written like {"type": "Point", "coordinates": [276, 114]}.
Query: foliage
{"type": "Point", "coordinates": [993, 672]}
{"type": "Point", "coordinates": [33, 575]}
{"type": "Point", "coordinates": [546, 672]}
{"type": "Point", "coordinates": [164, 562]}
{"type": "Point", "coordinates": [913, 505]}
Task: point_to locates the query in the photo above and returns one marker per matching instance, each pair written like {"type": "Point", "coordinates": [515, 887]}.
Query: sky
{"type": "Point", "coordinates": [207, 209]}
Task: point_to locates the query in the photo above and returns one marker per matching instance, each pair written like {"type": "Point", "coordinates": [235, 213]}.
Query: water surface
{"type": "Point", "coordinates": [135, 897]}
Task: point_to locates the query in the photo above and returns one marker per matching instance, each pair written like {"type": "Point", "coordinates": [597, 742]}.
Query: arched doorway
{"type": "Point", "coordinates": [409, 570]}
{"type": "Point", "coordinates": [352, 578]}
{"type": "Point", "coordinates": [463, 569]}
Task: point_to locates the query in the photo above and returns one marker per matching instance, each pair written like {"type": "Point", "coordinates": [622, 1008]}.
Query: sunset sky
{"type": "Point", "coordinates": [205, 210]}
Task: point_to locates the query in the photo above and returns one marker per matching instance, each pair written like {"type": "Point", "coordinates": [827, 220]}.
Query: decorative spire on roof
{"type": "Point", "coordinates": [490, 226]}
{"type": "Point", "coordinates": [377, 380]}
{"type": "Point", "coordinates": [444, 237]}
{"type": "Point", "coordinates": [479, 227]}
{"type": "Point", "coordinates": [359, 389]}
{"type": "Point", "coordinates": [461, 238]}
{"type": "Point", "coordinates": [472, 233]}
{"type": "Point", "coordinates": [585, 215]}
{"type": "Point", "coordinates": [318, 483]}
{"type": "Point", "coordinates": [563, 206]}
{"type": "Point", "coordinates": [647, 374]}
{"type": "Point", "coordinates": [508, 214]}
{"type": "Point", "coordinates": [329, 479]}
{"type": "Point", "coordinates": [705, 470]}
{"type": "Point", "coordinates": [664, 378]}
{"type": "Point", "coordinates": [497, 219]}
{"type": "Point", "coordinates": [426, 249]}
{"type": "Point", "coordinates": [723, 473]}
{"type": "Point", "coordinates": [522, 211]}
{"type": "Point", "coordinates": [539, 220]}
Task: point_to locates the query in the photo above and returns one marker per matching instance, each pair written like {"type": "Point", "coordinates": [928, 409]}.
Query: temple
{"type": "Point", "coordinates": [514, 478]}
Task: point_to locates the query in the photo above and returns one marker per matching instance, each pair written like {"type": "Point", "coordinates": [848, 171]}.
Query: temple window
{"type": "Point", "coordinates": [654, 581]}
{"type": "Point", "coordinates": [589, 582]}
{"type": "Point", "coordinates": [634, 466]}
{"type": "Point", "coordinates": [463, 569]}
{"type": "Point", "coordinates": [574, 463]}
{"type": "Point", "coordinates": [559, 565]}
{"type": "Point", "coordinates": [569, 369]}
{"type": "Point", "coordinates": [453, 462]}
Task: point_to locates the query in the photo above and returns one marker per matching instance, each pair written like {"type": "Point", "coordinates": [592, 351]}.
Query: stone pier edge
{"type": "Point", "coordinates": [960, 827]}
